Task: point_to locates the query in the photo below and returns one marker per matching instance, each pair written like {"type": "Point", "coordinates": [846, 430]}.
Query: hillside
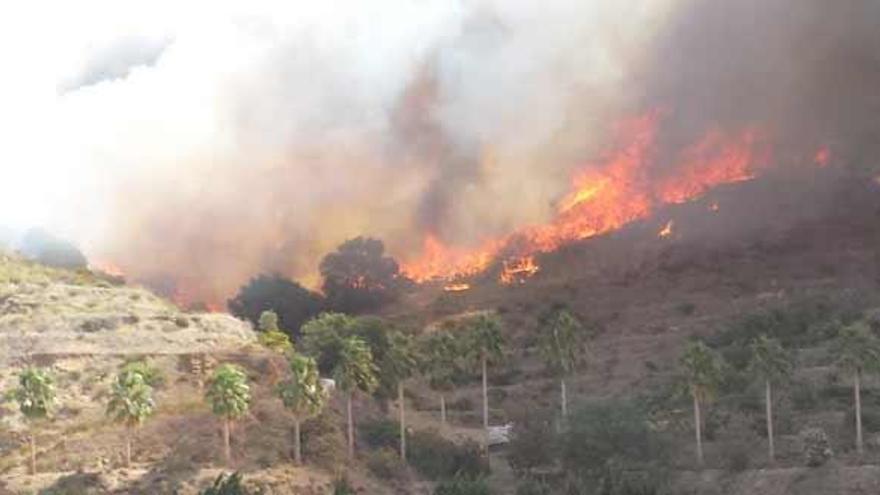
{"type": "Point", "coordinates": [803, 250]}
{"type": "Point", "coordinates": [83, 326]}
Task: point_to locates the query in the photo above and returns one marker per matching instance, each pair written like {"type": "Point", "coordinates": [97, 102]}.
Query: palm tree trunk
{"type": "Point", "coordinates": [33, 448]}
{"type": "Point", "coordinates": [297, 442]}
{"type": "Point", "coordinates": [350, 422]}
{"type": "Point", "coordinates": [128, 446]}
{"type": "Point", "coordinates": [769, 405]}
{"type": "Point", "coordinates": [564, 399]}
{"type": "Point", "coordinates": [402, 421]}
{"type": "Point", "coordinates": [227, 448]}
{"type": "Point", "coordinates": [858, 397]}
{"type": "Point", "coordinates": [698, 428]}
{"type": "Point", "coordinates": [442, 410]}
{"type": "Point", "coordinates": [485, 396]}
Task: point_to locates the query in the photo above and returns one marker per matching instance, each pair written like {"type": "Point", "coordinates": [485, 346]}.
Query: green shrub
{"type": "Point", "coordinates": [804, 397]}
{"type": "Point", "coordinates": [380, 433]}
{"type": "Point", "coordinates": [229, 484]}
{"type": "Point", "coordinates": [815, 447]}
{"type": "Point", "coordinates": [435, 457]}
{"type": "Point", "coordinates": [686, 308]}
{"type": "Point", "coordinates": [323, 442]}
{"type": "Point", "coordinates": [533, 487]}
{"type": "Point", "coordinates": [607, 437]}
{"type": "Point", "coordinates": [342, 486]}
{"type": "Point", "coordinates": [385, 464]}
{"type": "Point", "coordinates": [533, 442]}
{"type": "Point", "coordinates": [462, 486]}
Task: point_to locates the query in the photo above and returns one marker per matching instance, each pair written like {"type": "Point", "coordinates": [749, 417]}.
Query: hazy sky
{"type": "Point", "coordinates": [97, 93]}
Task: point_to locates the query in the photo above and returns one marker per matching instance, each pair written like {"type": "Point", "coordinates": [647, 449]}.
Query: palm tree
{"type": "Point", "coordinates": [770, 363]}
{"type": "Point", "coordinates": [36, 397]}
{"type": "Point", "coordinates": [229, 396]}
{"type": "Point", "coordinates": [858, 351]}
{"type": "Point", "coordinates": [131, 403]}
{"type": "Point", "coordinates": [399, 363]}
{"type": "Point", "coordinates": [563, 345]}
{"type": "Point", "coordinates": [485, 345]}
{"type": "Point", "coordinates": [354, 370]}
{"type": "Point", "coordinates": [439, 353]}
{"type": "Point", "coordinates": [703, 372]}
{"type": "Point", "coordinates": [302, 395]}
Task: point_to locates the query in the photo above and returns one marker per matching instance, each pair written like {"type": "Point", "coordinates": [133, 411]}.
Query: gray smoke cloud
{"type": "Point", "coordinates": [257, 142]}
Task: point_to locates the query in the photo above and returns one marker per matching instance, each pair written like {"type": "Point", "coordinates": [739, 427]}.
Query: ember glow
{"type": "Point", "coordinates": [666, 231]}
{"type": "Point", "coordinates": [605, 195]}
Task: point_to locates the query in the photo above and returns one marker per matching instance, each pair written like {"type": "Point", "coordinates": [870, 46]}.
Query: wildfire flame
{"type": "Point", "coordinates": [621, 187]}
{"type": "Point", "coordinates": [106, 267]}
{"type": "Point", "coordinates": [823, 156]}
{"type": "Point", "coordinates": [459, 287]}
{"type": "Point", "coordinates": [666, 231]}
{"type": "Point", "coordinates": [518, 270]}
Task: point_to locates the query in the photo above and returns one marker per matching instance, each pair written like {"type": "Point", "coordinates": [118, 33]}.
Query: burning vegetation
{"type": "Point", "coordinates": [618, 189]}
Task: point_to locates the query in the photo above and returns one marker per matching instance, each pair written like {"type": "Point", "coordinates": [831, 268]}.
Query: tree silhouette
{"type": "Point", "coordinates": [131, 403]}
{"type": "Point", "coordinates": [293, 303]}
{"type": "Point", "coordinates": [440, 353]}
{"type": "Point", "coordinates": [703, 373]}
{"type": "Point", "coordinates": [354, 370]}
{"type": "Point", "coordinates": [857, 351]}
{"type": "Point", "coordinates": [358, 276]}
{"type": "Point", "coordinates": [36, 397]}
{"type": "Point", "coordinates": [771, 364]}
{"type": "Point", "coordinates": [302, 395]}
{"type": "Point", "coordinates": [229, 397]}
{"type": "Point", "coordinates": [485, 344]}
{"type": "Point", "coordinates": [563, 345]}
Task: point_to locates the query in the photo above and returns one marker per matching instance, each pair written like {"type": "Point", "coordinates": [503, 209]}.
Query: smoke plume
{"type": "Point", "coordinates": [236, 142]}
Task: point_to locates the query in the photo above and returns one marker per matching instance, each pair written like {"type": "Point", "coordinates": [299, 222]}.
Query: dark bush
{"type": "Point", "coordinates": [293, 303]}
{"type": "Point", "coordinates": [323, 441]}
{"type": "Point", "coordinates": [462, 486]}
{"type": "Point", "coordinates": [533, 487]}
{"type": "Point", "coordinates": [435, 457]}
{"type": "Point", "coordinates": [533, 443]}
{"type": "Point", "coordinates": [229, 484]}
{"type": "Point", "coordinates": [385, 464]}
{"type": "Point", "coordinates": [380, 433]}
{"type": "Point", "coordinates": [608, 437]}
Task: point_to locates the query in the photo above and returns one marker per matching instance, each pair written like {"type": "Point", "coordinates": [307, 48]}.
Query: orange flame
{"type": "Point", "coordinates": [106, 267]}
{"type": "Point", "coordinates": [823, 156]}
{"type": "Point", "coordinates": [666, 231]}
{"type": "Point", "coordinates": [456, 287]}
{"type": "Point", "coordinates": [604, 196]}
{"type": "Point", "coordinates": [518, 270]}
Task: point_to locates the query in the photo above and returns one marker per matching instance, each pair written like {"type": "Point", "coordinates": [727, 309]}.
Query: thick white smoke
{"type": "Point", "coordinates": [210, 141]}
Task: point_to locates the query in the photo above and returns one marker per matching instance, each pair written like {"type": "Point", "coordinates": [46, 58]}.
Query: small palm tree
{"type": "Point", "coordinates": [440, 353]}
{"type": "Point", "coordinates": [36, 397]}
{"type": "Point", "coordinates": [229, 396]}
{"type": "Point", "coordinates": [271, 336]}
{"type": "Point", "coordinates": [302, 395]}
{"type": "Point", "coordinates": [772, 364]}
{"type": "Point", "coordinates": [485, 344]}
{"type": "Point", "coordinates": [131, 403]}
{"type": "Point", "coordinates": [563, 344]}
{"type": "Point", "coordinates": [857, 351]}
{"type": "Point", "coordinates": [703, 373]}
{"type": "Point", "coordinates": [354, 370]}
{"type": "Point", "coordinates": [400, 363]}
